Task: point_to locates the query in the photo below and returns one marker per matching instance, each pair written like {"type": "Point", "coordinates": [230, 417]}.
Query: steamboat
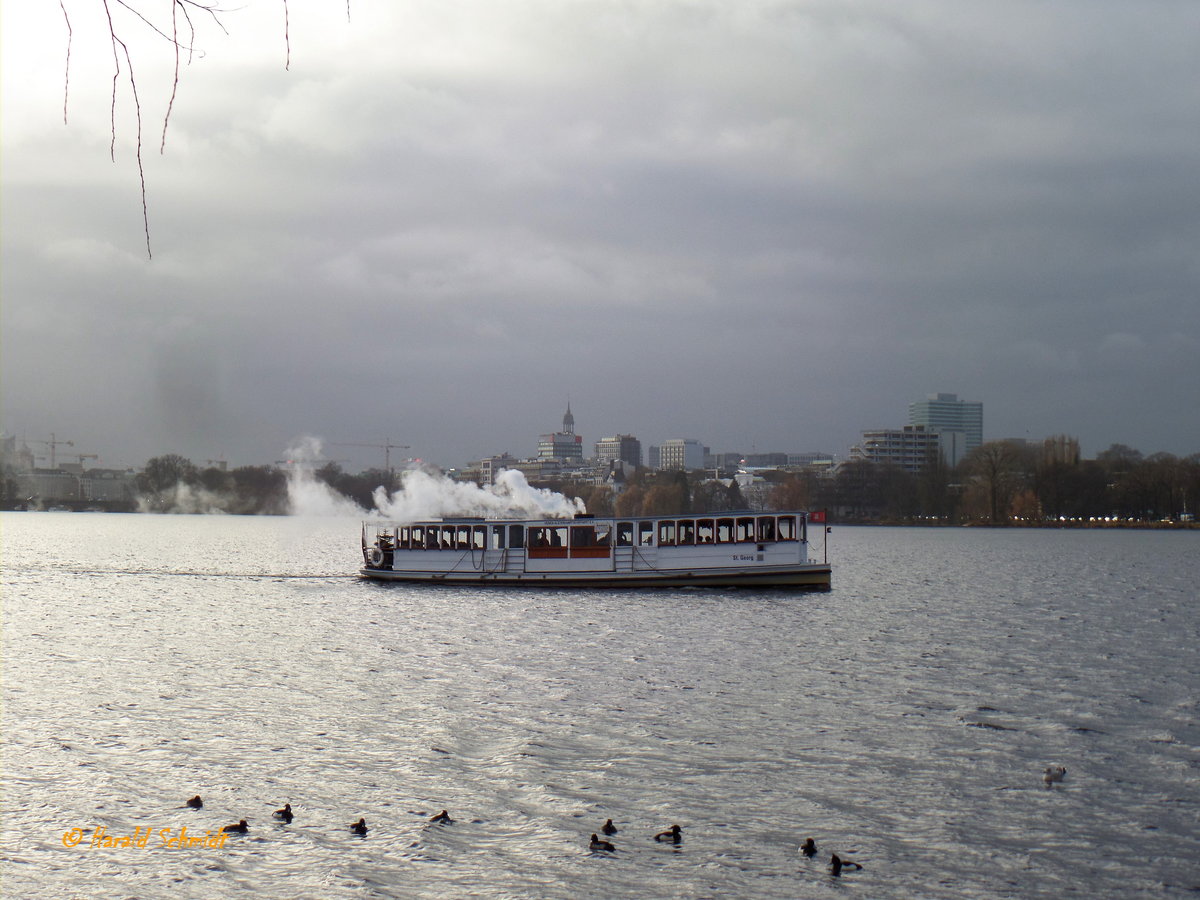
{"type": "Point", "coordinates": [725, 550]}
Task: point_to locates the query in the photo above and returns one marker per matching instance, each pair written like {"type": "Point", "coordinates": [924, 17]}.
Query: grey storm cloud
{"type": "Point", "coordinates": [764, 224]}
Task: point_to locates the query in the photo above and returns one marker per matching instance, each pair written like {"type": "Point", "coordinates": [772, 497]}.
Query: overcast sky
{"type": "Point", "coordinates": [763, 225]}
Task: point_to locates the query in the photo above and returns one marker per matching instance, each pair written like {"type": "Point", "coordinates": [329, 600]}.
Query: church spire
{"type": "Point", "coordinates": [568, 421]}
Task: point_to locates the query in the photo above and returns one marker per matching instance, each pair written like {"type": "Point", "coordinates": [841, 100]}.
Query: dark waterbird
{"type": "Point", "coordinates": [442, 818]}
{"type": "Point", "coordinates": [195, 802]}
{"type": "Point", "coordinates": [359, 827]}
{"type": "Point", "coordinates": [609, 827]}
{"type": "Point", "coordinates": [285, 813]}
{"type": "Point", "coordinates": [674, 834]}
{"type": "Point", "coordinates": [240, 828]}
{"type": "Point", "coordinates": [598, 845]}
{"type": "Point", "coordinates": [836, 864]}
{"type": "Point", "coordinates": [809, 847]}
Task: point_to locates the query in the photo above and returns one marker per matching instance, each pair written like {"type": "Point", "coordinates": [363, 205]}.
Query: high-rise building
{"type": "Point", "coordinates": [912, 448]}
{"type": "Point", "coordinates": [623, 447]}
{"type": "Point", "coordinates": [681, 453]}
{"type": "Point", "coordinates": [957, 423]}
{"type": "Point", "coordinates": [565, 445]}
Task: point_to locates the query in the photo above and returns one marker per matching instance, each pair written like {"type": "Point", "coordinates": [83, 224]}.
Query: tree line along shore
{"type": "Point", "coordinates": [999, 484]}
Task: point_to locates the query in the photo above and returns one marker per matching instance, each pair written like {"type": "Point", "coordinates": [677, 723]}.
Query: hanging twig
{"type": "Point", "coordinates": [121, 49]}
{"type": "Point", "coordinates": [137, 106]}
{"type": "Point", "coordinates": [67, 68]}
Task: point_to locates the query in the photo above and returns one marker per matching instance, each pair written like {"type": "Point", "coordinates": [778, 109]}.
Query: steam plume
{"type": "Point", "coordinates": [308, 496]}
{"type": "Point", "coordinates": [424, 495]}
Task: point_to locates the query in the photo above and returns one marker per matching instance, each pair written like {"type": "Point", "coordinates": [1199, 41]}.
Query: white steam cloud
{"type": "Point", "coordinates": [422, 494]}
{"type": "Point", "coordinates": [425, 495]}
{"type": "Point", "coordinates": [183, 499]}
{"type": "Point", "coordinates": [308, 496]}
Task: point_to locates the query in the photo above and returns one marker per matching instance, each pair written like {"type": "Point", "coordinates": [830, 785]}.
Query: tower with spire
{"type": "Point", "coordinates": [565, 446]}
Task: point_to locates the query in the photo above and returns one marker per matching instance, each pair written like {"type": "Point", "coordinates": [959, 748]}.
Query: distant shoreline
{"type": "Point", "coordinates": [864, 523]}
{"type": "Point", "coordinates": [1060, 526]}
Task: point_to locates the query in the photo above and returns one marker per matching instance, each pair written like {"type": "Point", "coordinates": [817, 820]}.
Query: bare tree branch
{"type": "Point", "coordinates": [120, 49]}
{"type": "Point", "coordinates": [67, 67]}
{"type": "Point", "coordinates": [137, 106]}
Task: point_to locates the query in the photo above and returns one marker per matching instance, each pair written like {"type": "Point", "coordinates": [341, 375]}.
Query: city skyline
{"type": "Point", "coordinates": [763, 223]}
{"type": "Point", "coordinates": [364, 455]}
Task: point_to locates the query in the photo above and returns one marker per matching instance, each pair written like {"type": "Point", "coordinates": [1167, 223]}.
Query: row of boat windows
{"type": "Point", "coordinates": [664, 533]}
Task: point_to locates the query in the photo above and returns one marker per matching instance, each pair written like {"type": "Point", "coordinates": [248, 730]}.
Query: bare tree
{"type": "Point", "coordinates": [1000, 468]}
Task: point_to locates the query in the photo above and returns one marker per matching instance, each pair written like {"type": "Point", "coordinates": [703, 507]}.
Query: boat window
{"type": "Point", "coordinates": [646, 534]}
{"type": "Point", "coordinates": [687, 532]}
{"type": "Point", "coordinates": [497, 537]}
{"type": "Point", "coordinates": [766, 528]}
{"type": "Point", "coordinates": [666, 534]}
{"type": "Point", "coordinates": [463, 537]}
{"type": "Point", "coordinates": [705, 531]}
{"type": "Point", "coordinates": [583, 536]}
{"type": "Point", "coordinates": [547, 537]}
{"type": "Point", "coordinates": [516, 537]}
{"type": "Point", "coordinates": [479, 535]}
{"type": "Point", "coordinates": [404, 537]}
{"type": "Point", "coordinates": [604, 535]}
{"type": "Point", "coordinates": [624, 534]}
{"type": "Point", "coordinates": [787, 528]}
{"type": "Point", "coordinates": [431, 537]}
{"type": "Point", "coordinates": [447, 537]}
{"type": "Point", "coordinates": [725, 531]}
{"type": "Point", "coordinates": [418, 537]}
{"type": "Point", "coordinates": [745, 531]}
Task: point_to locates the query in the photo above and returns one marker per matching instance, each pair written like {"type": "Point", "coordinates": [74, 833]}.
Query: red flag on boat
{"type": "Point", "coordinates": [817, 516]}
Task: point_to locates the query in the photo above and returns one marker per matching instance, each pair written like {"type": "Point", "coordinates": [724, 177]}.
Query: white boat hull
{"type": "Point", "coordinates": [815, 577]}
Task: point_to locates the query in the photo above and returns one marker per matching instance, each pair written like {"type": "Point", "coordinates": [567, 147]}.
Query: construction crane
{"type": "Point", "coordinates": [82, 456]}
{"type": "Point", "coordinates": [54, 444]}
{"type": "Point", "coordinates": [387, 447]}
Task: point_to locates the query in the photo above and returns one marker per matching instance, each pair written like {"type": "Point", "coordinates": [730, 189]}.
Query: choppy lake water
{"type": "Point", "coordinates": [903, 720]}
